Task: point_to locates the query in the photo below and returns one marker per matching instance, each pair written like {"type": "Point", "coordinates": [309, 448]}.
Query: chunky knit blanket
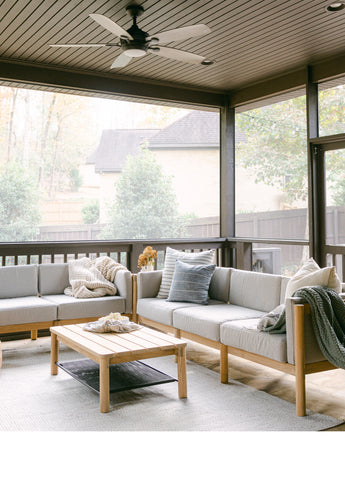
{"type": "Point", "coordinates": [328, 320]}
{"type": "Point", "coordinates": [92, 278]}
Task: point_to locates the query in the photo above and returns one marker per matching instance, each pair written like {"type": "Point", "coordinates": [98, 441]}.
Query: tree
{"type": "Point", "coordinates": [274, 143]}
{"type": "Point", "coordinates": [90, 211]}
{"type": "Point", "coordinates": [145, 205]}
{"type": "Point", "coordinates": [275, 146]}
{"type": "Point", "coordinates": [19, 211]}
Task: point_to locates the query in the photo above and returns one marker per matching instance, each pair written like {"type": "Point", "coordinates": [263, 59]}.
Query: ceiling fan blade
{"type": "Point", "coordinates": [76, 45]}
{"type": "Point", "coordinates": [182, 33]}
{"type": "Point", "coordinates": [121, 61]}
{"type": "Point", "coordinates": [179, 55]}
{"type": "Point", "coordinates": [109, 25]}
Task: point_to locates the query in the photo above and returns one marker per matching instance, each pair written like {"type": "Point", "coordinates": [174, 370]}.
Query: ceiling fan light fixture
{"type": "Point", "coordinates": [135, 52]}
{"type": "Point", "coordinates": [335, 7]}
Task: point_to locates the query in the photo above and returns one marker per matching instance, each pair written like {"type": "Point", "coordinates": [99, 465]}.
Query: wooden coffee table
{"type": "Point", "coordinates": [110, 348]}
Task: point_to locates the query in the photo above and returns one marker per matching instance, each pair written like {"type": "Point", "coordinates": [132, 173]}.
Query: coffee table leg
{"type": "Point", "coordinates": [182, 372]}
{"type": "Point", "coordinates": [104, 385]}
{"type": "Point", "coordinates": [54, 354]}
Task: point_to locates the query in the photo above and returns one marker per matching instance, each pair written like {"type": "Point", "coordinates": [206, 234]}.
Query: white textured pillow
{"type": "Point", "coordinates": [310, 274]}
{"type": "Point", "coordinates": [199, 258]}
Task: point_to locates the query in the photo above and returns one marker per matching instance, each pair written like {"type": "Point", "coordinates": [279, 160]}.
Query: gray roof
{"type": "Point", "coordinates": [197, 129]}
{"type": "Point", "coordinates": [115, 146]}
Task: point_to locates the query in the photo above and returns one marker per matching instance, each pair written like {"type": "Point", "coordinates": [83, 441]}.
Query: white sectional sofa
{"type": "Point", "coordinates": [32, 298]}
{"type": "Point", "coordinates": [237, 301]}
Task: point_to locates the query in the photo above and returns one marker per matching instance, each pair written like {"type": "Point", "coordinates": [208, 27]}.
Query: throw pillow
{"type": "Point", "coordinates": [309, 275]}
{"type": "Point", "coordinates": [190, 283]}
{"type": "Point", "coordinates": [199, 258]}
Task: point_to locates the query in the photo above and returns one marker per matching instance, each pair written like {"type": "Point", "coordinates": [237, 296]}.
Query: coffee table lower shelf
{"type": "Point", "coordinates": [122, 376]}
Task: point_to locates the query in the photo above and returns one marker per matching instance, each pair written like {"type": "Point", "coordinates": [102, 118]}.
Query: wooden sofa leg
{"type": "Point", "coordinates": [300, 361]}
{"type": "Point", "coordinates": [224, 364]}
{"type": "Point", "coordinates": [177, 334]}
{"type": "Point", "coordinates": [33, 334]}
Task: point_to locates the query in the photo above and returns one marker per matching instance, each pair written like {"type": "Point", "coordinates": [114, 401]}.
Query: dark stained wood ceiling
{"type": "Point", "coordinates": [250, 40]}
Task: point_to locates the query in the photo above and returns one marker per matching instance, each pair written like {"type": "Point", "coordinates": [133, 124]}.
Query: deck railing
{"type": "Point", "coordinates": [228, 253]}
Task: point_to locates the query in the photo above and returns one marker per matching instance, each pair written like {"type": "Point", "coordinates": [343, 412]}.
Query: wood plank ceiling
{"type": "Point", "coordinates": [250, 40]}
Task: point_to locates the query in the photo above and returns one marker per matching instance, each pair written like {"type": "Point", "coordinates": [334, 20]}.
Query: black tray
{"type": "Point", "coordinates": [123, 376]}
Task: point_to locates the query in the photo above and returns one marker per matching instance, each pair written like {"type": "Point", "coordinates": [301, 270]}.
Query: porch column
{"type": "Point", "coordinates": [227, 174]}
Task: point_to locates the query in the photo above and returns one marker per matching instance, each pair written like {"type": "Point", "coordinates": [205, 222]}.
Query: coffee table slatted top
{"type": "Point", "coordinates": [112, 345]}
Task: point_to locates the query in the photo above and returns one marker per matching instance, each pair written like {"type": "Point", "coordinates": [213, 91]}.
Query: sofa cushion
{"type": "Point", "coordinates": [260, 291]}
{"type": "Point", "coordinates": [220, 284]}
{"type": "Point", "coordinates": [14, 311]}
{"type": "Point", "coordinates": [18, 281]}
{"type": "Point", "coordinates": [159, 310]}
{"type": "Point", "coordinates": [206, 320]}
{"type": "Point", "coordinates": [71, 307]}
{"type": "Point", "coordinates": [285, 281]}
{"type": "Point", "coordinates": [198, 258]}
{"type": "Point", "coordinates": [311, 274]}
{"type": "Point", "coordinates": [190, 283]}
{"type": "Point", "coordinates": [123, 282]}
{"type": "Point", "coordinates": [53, 278]}
{"type": "Point", "coordinates": [149, 283]}
{"type": "Point", "coordinates": [244, 334]}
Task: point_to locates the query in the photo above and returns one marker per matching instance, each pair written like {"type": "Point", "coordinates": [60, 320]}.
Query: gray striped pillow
{"type": "Point", "coordinates": [199, 258]}
{"type": "Point", "coordinates": [191, 283]}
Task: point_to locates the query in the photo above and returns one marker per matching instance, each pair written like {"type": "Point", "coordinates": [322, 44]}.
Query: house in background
{"type": "Point", "coordinates": [188, 146]}
{"type": "Point", "coordinates": [108, 160]}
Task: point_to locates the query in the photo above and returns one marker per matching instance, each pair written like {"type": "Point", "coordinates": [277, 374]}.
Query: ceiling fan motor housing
{"type": "Point", "coordinates": [139, 45]}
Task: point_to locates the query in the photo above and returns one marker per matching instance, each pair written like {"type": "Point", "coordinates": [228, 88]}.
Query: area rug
{"type": "Point", "coordinates": [33, 400]}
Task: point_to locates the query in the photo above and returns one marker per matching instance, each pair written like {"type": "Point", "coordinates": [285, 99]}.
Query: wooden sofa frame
{"type": "Point", "coordinates": [299, 370]}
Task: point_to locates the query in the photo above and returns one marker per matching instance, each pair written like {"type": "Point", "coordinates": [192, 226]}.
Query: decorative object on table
{"type": "Point", "coordinates": [114, 322]}
{"type": "Point", "coordinates": [146, 260]}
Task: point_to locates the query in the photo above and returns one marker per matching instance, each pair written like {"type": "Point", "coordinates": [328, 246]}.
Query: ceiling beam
{"type": "Point", "coordinates": [269, 87]}
{"type": "Point", "coordinates": [332, 68]}
{"type": "Point", "coordinates": [107, 85]}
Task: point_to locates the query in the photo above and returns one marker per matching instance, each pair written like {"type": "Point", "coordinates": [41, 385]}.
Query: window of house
{"type": "Point", "coordinates": [75, 167]}
{"type": "Point", "coordinates": [271, 178]}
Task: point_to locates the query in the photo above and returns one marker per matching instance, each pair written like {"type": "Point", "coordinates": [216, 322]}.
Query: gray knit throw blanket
{"type": "Point", "coordinates": [328, 320]}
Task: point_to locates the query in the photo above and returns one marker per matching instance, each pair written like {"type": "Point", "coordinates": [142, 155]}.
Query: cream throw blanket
{"type": "Point", "coordinates": [92, 278]}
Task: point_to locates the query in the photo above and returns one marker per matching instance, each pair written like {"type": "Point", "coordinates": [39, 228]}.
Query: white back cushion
{"type": "Point", "coordinates": [260, 291]}
{"type": "Point", "coordinates": [53, 278]}
{"type": "Point", "coordinates": [18, 281]}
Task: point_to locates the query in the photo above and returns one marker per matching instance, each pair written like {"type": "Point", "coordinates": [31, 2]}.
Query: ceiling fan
{"type": "Point", "coordinates": [134, 42]}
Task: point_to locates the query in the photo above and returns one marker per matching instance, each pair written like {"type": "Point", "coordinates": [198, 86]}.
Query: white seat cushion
{"type": "Point", "coordinates": [244, 334]}
{"type": "Point", "coordinates": [71, 307]}
{"type": "Point", "coordinates": [206, 320]}
{"type": "Point", "coordinates": [159, 310]}
{"type": "Point", "coordinates": [14, 311]}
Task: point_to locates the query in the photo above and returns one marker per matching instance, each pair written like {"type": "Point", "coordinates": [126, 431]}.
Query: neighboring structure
{"type": "Point", "coordinates": [109, 158]}
{"type": "Point", "coordinates": [188, 151]}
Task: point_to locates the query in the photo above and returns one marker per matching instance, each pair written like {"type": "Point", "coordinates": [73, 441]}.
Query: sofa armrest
{"type": "Point", "coordinates": [148, 283]}
{"type": "Point", "coordinates": [123, 283]}
{"type": "Point", "coordinates": [312, 350]}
